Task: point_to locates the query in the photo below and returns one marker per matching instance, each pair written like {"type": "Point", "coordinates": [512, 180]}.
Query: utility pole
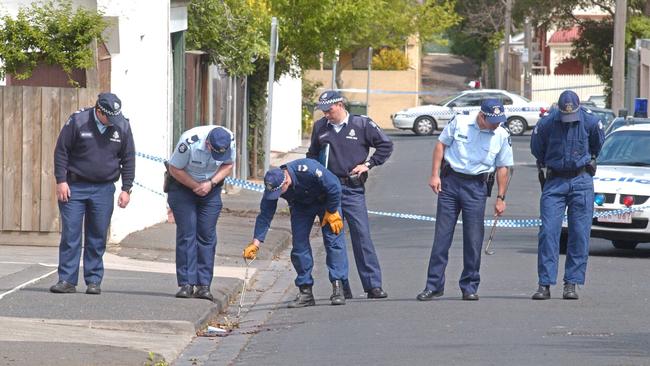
{"type": "Point", "coordinates": [618, 56]}
{"type": "Point", "coordinates": [528, 66]}
{"type": "Point", "coordinates": [506, 45]}
{"type": "Point", "coordinates": [368, 81]}
{"type": "Point", "coordinates": [269, 100]}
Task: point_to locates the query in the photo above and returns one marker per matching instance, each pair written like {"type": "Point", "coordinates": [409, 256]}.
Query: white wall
{"type": "Point", "coordinates": [140, 77]}
{"type": "Point", "coordinates": [286, 130]}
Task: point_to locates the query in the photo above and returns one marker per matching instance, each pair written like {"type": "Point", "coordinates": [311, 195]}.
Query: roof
{"type": "Point", "coordinates": [565, 35]}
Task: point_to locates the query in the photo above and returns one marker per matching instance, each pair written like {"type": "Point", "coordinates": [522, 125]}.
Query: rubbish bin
{"type": "Point", "coordinates": [358, 108]}
{"type": "Point", "coordinates": [641, 107]}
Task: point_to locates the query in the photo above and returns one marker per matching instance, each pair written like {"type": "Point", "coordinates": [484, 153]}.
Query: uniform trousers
{"type": "Point", "coordinates": [575, 196]}
{"type": "Point", "coordinates": [90, 206]}
{"type": "Point", "coordinates": [458, 195]}
{"type": "Point", "coordinates": [353, 205]}
{"type": "Point", "coordinates": [196, 233]}
{"type": "Point", "coordinates": [302, 221]}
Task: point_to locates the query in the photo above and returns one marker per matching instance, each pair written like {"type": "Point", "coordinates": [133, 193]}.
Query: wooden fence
{"type": "Point", "coordinates": [31, 119]}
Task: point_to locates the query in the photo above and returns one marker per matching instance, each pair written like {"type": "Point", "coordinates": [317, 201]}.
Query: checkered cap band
{"type": "Point", "coordinates": [330, 101]}
{"type": "Point", "coordinates": [106, 111]}
{"type": "Point", "coordinates": [269, 187]}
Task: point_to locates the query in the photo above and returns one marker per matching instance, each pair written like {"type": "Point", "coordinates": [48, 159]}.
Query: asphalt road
{"type": "Point", "coordinates": [607, 326]}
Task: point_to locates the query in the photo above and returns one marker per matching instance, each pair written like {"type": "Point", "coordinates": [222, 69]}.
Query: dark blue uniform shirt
{"type": "Point", "coordinates": [311, 184]}
{"type": "Point", "coordinates": [350, 146]}
{"type": "Point", "coordinates": [564, 146]}
{"type": "Point", "coordinates": [94, 156]}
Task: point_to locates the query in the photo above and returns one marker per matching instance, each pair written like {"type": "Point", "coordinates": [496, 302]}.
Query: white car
{"type": "Point", "coordinates": [622, 180]}
{"type": "Point", "coordinates": [424, 120]}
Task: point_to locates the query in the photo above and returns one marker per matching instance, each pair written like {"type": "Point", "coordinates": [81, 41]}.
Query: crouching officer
{"type": "Point", "coordinates": [469, 149]}
{"type": "Point", "coordinates": [201, 161]}
{"type": "Point", "coordinates": [348, 139]}
{"type": "Point", "coordinates": [311, 190]}
{"type": "Point", "coordinates": [566, 142]}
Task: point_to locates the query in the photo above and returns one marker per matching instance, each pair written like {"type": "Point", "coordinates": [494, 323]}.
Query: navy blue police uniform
{"type": "Point", "coordinates": [90, 157]}
{"type": "Point", "coordinates": [349, 144]}
{"type": "Point", "coordinates": [313, 191]}
{"type": "Point", "coordinates": [201, 152]}
{"type": "Point", "coordinates": [470, 154]}
{"type": "Point", "coordinates": [565, 142]}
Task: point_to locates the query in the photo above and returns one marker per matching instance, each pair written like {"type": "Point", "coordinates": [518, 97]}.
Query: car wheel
{"type": "Point", "coordinates": [424, 126]}
{"type": "Point", "coordinates": [564, 241]}
{"type": "Point", "coordinates": [517, 126]}
{"type": "Point", "coordinates": [622, 244]}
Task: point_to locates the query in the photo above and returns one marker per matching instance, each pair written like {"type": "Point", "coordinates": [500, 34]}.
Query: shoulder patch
{"type": "Point", "coordinates": [319, 173]}
{"type": "Point", "coordinates": [182, 148]}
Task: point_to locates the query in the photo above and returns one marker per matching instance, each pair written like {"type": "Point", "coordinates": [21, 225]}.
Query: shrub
{"type": "Point", "coordinates": [390, 59]}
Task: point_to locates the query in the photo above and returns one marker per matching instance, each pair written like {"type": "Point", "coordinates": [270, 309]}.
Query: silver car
{"type": "Point", "coordinates": [423, 120]}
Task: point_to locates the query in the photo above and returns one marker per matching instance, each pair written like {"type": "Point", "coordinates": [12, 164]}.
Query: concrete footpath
{"type": "Point", "coordinates": [136, 320]}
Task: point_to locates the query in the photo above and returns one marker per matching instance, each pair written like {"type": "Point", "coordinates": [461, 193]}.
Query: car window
{"type": "Point", "coordinates": [506, 100]}
{"type": "Point", "coordinates": [468, 100]}
{"type": "Point", "coordinates": [626, 148]}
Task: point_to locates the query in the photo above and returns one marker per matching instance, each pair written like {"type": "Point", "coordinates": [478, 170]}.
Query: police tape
{"type": "Point", "coordinates": [508, 223]}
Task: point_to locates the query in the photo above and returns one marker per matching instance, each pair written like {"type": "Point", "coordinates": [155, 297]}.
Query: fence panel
{"type": "Point", "coordinates": [547, 88]}
{"type": "Point", "coordinates": [31, 118]}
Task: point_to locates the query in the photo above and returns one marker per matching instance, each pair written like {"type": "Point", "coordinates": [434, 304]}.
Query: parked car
{"type": "Point", "coordinates": [424, 120]}
{"type": "Point", "coordinates": [598, 100]}
{"type": "Point", "coordinates": [619, 122]}
{"type": "Point", "coordinates": [622, 180]}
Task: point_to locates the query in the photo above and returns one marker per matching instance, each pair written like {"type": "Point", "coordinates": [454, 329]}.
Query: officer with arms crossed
{"type": "Point", "coordinates": [566, 142]}
{"type": "Point", "coordinates": [348, 138]}
{"type": "Point", "coordinates": [201, 161]}
{"type": "Point", "coordinates": [311, 190]}
{"type": "Point", "coordinates": [95, 148]}
{"type": "Point", "coordinates": [473, 147]}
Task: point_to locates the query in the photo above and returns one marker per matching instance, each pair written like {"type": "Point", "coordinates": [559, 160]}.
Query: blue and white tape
{"type": "Point", "coordinates": [510, 223]}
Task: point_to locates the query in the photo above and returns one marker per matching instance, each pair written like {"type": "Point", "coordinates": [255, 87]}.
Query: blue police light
{"type": "Point", "coordinates": [599, 199]}
{"type": "Point", "coordinates": [641, 107]}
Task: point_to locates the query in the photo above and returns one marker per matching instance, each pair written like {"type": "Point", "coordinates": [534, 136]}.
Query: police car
{"type": "Point", "coordinates": [424, 120]}
{"type": "Point", "coordinates": [622, 181]}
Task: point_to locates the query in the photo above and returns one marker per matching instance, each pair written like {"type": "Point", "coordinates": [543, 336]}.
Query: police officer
{"type": "Point", "coordinates": [94, 148]}
{"type": "Point", "coordinates": [346, 139]}
{"type": "Point", "coordinates": [473, 147]}
{"type": "Point", "coordinates": [203, 158]}
{"type": "Point", "coordinates": [566, 142]}
{"type": "Point", "coordinates": [311, 190]}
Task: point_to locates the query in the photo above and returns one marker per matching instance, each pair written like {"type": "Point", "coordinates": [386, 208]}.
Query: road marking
{"type": "Point", "coordinates": [2, 295]}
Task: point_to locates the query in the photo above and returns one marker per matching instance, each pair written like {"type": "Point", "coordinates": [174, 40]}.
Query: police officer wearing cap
{"type": "Point", "coordinates": [469, 149]}
{"type": "Point", "coordinates": [311, 190]}
{"type": "Point", "coordinates": [566, 143]}
{"type": "Point", "coordinates": [203, 158]}
{"type": "Point", "coordinates": [94, 149]}
{"type": "Point", "coordinates": [347, 140]}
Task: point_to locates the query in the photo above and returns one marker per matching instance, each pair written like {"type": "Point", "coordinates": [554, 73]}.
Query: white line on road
{"type": "Point", "coordinates": [26, 284]}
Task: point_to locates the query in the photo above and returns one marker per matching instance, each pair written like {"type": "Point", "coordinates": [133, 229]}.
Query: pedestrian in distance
{"type": "Point", "coordinates": [311, 191]}
{"type": "Point", "coordinates": [345, 139]}
{"type": "Point", "coordinates": [203, 158]}
{"type": "Point", "coordinates": [471, 150]}
{"type": "Point", "coordinates": [566, 143]}
{"type": "Point", "coordinates": [94, 149]}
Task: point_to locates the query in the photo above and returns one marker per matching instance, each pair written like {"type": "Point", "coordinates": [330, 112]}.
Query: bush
{"type": "Point", "coordinates": [390, 59]}
{"type": "Point", "coordinates": [48, 32]}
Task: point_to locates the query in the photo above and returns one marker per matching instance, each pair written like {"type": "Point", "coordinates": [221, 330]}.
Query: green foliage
{"type": "Point", "coordinates": [637, 27]}
{"type": "Point", "coordinates": [309, 94]}
{"type": "Point", "coordinates": [230, 31]}
{"type": "Point", "coordinates": [390, 59]}
{"type": "Point", "coordinates": [155, 360]}
{"type": "Point", "coordinates": [51, 32]}
{"type": "Point", "coordinates": [593, 47]}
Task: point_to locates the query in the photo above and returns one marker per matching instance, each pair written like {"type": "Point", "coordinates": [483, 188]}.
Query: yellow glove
{"type": "Point", "coordinates": [335, 221]}
{"type": "Point", "coordinates": [250, 252]}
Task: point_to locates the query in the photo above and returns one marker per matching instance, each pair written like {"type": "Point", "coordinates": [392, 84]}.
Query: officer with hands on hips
{"type": "Point", "coordinates": [311, 190]}
{"type": "Point", "coordinates": [203, 158]}
{"type": "Point", "coordinates": [469, 149]}
{"type": "Point", "coordinates": [94, 148]}
{"type": "Point", "coordinates": [348, 139]}
{"type": "Point", "coordinates": [566, 142]}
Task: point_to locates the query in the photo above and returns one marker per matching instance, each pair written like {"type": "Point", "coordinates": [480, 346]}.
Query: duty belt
{"type": "Point", "coordinates": [481, 177]}
{"type": "Point", "coordinates": [76, 178]}
{"type": "Point", "coordinates": [565, 173]}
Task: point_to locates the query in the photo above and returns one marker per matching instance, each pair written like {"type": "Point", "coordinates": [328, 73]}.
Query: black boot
{"type": "Point", "coordinates": [305, 298]}
{"type": "Point", "coordinates": [570, 292]}
{"type": "Point", "coordinates": [337, 293]}
{"type": "Point", "coordinates": [543, 293]}
{"type": "Point", "coordinates": [347, 291]}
